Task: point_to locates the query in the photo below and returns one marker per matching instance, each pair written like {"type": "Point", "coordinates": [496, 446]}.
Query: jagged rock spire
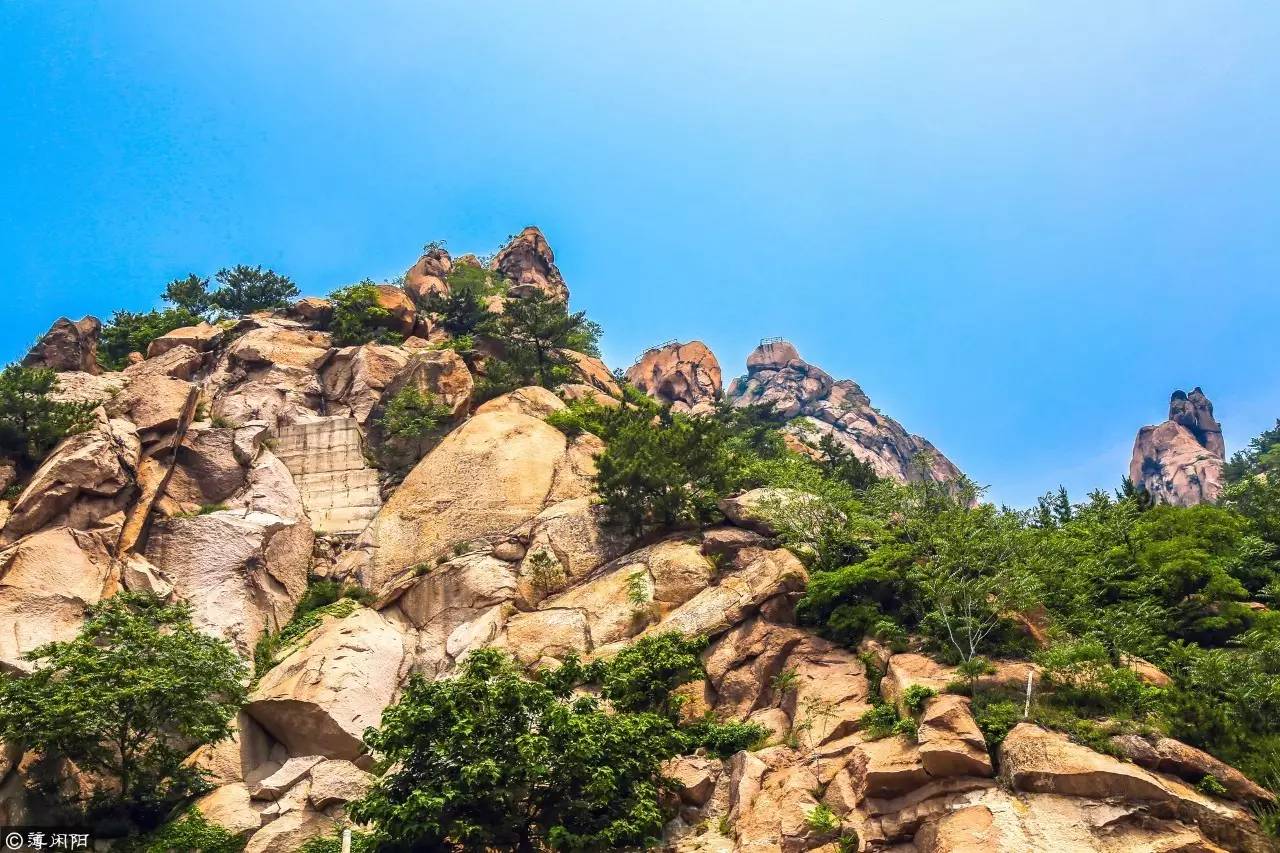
{"type": "Point", "coordinates": [1180, 461]}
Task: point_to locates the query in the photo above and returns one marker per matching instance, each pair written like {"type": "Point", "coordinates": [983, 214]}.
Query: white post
{"type": "Point", "coordinates": [346, 840]}
{"type": "Point", "coordinates": [1026, 709]}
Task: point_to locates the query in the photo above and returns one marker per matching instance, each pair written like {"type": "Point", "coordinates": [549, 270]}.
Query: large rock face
{"type": "Point", "coordinates": [818, 405]}
{"type": "Point", "coordinates": [68, 346]}
{"type": "Point", "coordinates": [327, 460]}
{"type": "Point", "coordinates": [321, 698]}
{"type": "Point", "coordinates": [1180, 461]}
{"type": "Point", "coordinates": [684, 376]}
{"type": "Point", "coordinates": [493, 473]}
{"type": "Point", "coordinates": [46, 582]}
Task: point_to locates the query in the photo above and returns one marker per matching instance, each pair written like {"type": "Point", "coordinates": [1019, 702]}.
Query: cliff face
{"type": "Point", "coordinates": [818, 405]}
{"type": "Point", "coordinates": [226, 468]}
{"type": "Point", "coordinates": [1180, 461]}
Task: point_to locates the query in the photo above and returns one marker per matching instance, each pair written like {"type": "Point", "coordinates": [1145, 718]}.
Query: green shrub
{"type": "Point", "coordinates": [822, 820]}
{"type": "Point", "coordinates": [995, 719]}
{"type": "Point", "coordinates": [1212, 786]}
{"type": "Point", "coordinates": [722, 739]}
{"type": "Point", "coordinates": [413, 414]}
{"type": "Point", "coordinates": [31, 422]}
{"type": "Point", "coordinates": [878, 721]}
{"type": "Point", "coordinates": [491, 760]}
{"type": "Point", "coordinates": [915, 697]}
{"type": "Point", "coordinates": [358, 318]}
{"type": "Point", "coordinates": [190, 833]}
{"type": "Point", "coordinates": [322, 598]}
{"type": "Point", "coordinates": [908, 727]}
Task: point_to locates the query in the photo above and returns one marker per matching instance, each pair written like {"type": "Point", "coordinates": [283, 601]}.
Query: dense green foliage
{"type": "Point", "coordinates": [31, 422]}
{"type": "Point", "coordinates": [322, 598]}
{"type": "Point", "coordinates": [491, 759]}
{"type": "Point", "coordinates": [243, 290]}
{"type": "Point", "coordinates": [128, 332]}
{"type": "Point", "coordinates": [413, 414]}
{"type": "Point", "coordinates": [533, 334]}
{"type": "Point", "coordinates": [462, 311]}
{"type": "Point", "coordinates": [127, 698]}
{"type": "Point", "coordinates": [358, 318]}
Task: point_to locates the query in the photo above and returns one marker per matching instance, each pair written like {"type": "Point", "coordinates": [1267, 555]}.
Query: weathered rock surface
{"type": "Point", "coordinates": [1035, 760]}
{"type": "Point", "coordinates": [68, 346]}
{"type": "Point", "coordinates": [951, 743]}
{"type": "Point", "coordinates": [201, 338]}
{"type": "Point", "coordinates": [817, 405]}
{"type": "Point", "coordinates": [592, 372]}
{"type": "Point", "coordinates": [269, 373]}
{"type": "Point", "coordinates": [428, 275]}
{"type": "Point", "coordinates": [244, 568]}
{"type": "Point", "coordinates": [530, 265]}
{"type": "Point", "coordinates": [86, 478]}
{"type": "Point", "coordinates": [322, 696]}
{"type": "Point", "coordinates": [493, 473]}
{"type": "Point", "coordinates": [1180, 461]}
{"type": "Point", "coordinates": [47, 580]}
{"type": "Point", "coordinates": [684, 376]}
{"type": "Point", "coordinates": [354, 378]}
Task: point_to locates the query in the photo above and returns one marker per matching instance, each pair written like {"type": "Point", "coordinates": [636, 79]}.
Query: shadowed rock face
{"type": "Point", "coordinates": [817, 404]}
{"type": "Point", "coordinates": [68, 346]}
{"type": "Point", "coordinates": [1180, 461]}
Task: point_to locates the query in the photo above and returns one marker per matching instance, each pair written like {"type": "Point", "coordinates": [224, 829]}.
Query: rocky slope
{"type": "Point", "coordinates": [1180, 461]}
{"type": "Point", "coordinates": [230, 464]}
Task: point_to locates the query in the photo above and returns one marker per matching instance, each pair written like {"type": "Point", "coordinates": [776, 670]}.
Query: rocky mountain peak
{"type": "Point", "coordinates": [530, 264]}
{"type": "Point", "coordinates": [816, 405]}
{"type": "Point", "coordinates": [684, 376]}
{"type": "Point", "coordinates": [1180, 461]}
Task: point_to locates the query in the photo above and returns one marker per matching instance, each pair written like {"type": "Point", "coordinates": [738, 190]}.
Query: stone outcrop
{"type": "Point", "coordinates": [428, 276]}
{"type": "Point", "coordinates": [1180, 461]}
{"type": "Point", "coordinates": [1033, 759]}
{"type": "Point", "coordinates": [242, 568]}
{"type": "Point", "coordinates": [202, 337]}
{"type": "Point", "coordinates": [684, 376]}
{"type": "Point", "coordinates": [47, 580]}
{"type": "Point", "coordinates": [320, 698]}
{"type": "Point", "coordinates": [527, 261]}
{"type": "Point", "coordinates": [87, 478]}
{"type": "Point", "coordinates": [68, 346]}
{"type": "Point", "coordinates": [269, 373]}
{"type": "Point", "coordinates": [816, 405]}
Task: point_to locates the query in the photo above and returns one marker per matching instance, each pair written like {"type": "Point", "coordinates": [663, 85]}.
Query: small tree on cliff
{"type": "Point", "coordinates": [243, 289]}
{"type": "Point", "coordinates": [128, 698]}
{"type": "Point", "coordinates": [31, 422]}
{"type": "Point", "coordinates": [533, 333]}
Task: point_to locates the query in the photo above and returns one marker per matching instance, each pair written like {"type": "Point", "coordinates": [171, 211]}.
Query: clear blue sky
{"type": "Point", "coordinates": [1019, 225]}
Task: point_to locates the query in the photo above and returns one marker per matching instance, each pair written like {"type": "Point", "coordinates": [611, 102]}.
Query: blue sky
{"type": "Point", "coordinates": [1018, 225]}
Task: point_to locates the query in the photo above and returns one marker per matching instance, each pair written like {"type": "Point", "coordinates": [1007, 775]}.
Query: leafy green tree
{"type": "Point", "coordinates": [1262, 455]}
{"type": "Point", "coordinates": [462, 310]}
{"type": "Point", "coordinates": [190, 294]}
{"type": "Point", "coordinates": [490, 760]}
{"type": "Point", "coordinates": [358, 318]}
{"type": "Point", "coordinates": [243, 290]}
{"type": "Point", "coordinates": [127, 332]}
{"type": "Point", "coordinates": [31, 422]}
{"type": "Point", "coordinates": [533, 334]}
{"type": "Point", "coordinates": [128, 698]}
{"type": "Point", "coordinates": [665, 474]}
